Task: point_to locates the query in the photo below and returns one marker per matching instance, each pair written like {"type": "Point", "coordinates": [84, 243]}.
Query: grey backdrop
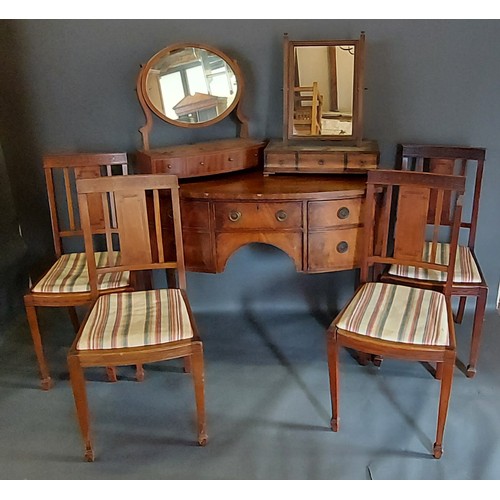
{"type": "Point", "coordinates": [69, 85]}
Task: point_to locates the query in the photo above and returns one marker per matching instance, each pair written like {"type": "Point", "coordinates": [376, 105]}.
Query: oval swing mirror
{"type": "Point", "coordinates": [190, 85]}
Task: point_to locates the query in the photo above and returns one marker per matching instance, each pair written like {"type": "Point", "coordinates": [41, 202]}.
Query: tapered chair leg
{"type": "Point", "coordinates": [198, 374]}
{"type": "Point", "coordinates": [444, 399]}
{"type": "Point", "coordinates": [74, 318]}
{"type": "Point", "coordinates": [459, 316]}
{"type": "Point", "coordinates": [477, 328]}
{"type": "Point", "coordinates": [80, 394]}
{"type": "Point", "coordinates": [46, 381]}
{"type": "Point", "coordinates": [333, 370]}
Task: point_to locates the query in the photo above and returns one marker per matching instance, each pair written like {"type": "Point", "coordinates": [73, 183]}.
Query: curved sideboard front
{"type": "Point", "coordinates": [316, 220]}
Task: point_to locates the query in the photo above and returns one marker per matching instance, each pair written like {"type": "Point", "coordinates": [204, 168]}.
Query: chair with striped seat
{"type": "Point", "coordinates": [127, 328]}
{"type": "Point", "coordinates": [394, 320]}
{"type": "Point", "coordinates": [66, 283]}
{"type": "Point", "coordinates": [468, 280]}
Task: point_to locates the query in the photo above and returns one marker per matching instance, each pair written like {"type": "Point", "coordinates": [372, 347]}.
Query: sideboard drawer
{"type": "Point", "coordinates": [329, 160]}
{"type": "Point", "coordinates": [195, 214]}
{"type": "Point", "coordinates": [246, 215]}
{"type": "Point", "coordinates": [323, 214]}
{"type": "Point", "coordinates": [361, 161]}
{"type": "Point", "coordinates": [335, 250]}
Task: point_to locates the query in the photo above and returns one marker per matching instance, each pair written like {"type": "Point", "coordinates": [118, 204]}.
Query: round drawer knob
{"type": "Point", "coordinates": [202, 163]}
{"type": "Point", "coordinates": [342, 247]}
{"type": "Point", "coordinates": [230, 159]}
{"type": "Point", "coordinates": [321, 162]}
{"type": "Point", "coordinates": [281, 215]}
{"type": "Point", "coordinates": [343, 213]}
{"type": "Point", "coordinates": [234, 216]}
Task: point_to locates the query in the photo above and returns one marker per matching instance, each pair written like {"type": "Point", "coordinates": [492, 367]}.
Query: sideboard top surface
{"type": "Point", "coordinates": [255, 186]}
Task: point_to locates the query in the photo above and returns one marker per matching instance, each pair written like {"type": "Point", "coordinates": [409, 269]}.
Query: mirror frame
{"type": "Point", "coordinates": [289, 84]}
{"type": "Point", "coordinates": [149, 108]}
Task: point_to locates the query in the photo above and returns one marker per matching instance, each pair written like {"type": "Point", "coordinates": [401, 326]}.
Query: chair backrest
{"type": "Point", "coordinates": [452, 160]}
{"type": "Point", "coordinates": [398, 225]}
{"type": "Point", "coordinates": [61, 173]}
{"type": "Point", "coordinates": [142, 224]}
{"type": "Point", "coordinates": [308, 104]}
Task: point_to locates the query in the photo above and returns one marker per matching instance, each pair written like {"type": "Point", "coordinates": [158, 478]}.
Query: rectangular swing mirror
{"type": "Point", "coordinates": [323, 90]}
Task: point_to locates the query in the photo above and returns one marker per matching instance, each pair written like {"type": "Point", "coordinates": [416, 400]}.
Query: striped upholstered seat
{"type": "Point", "coordinates": [397, 313]}
{"type": "Point", "coordinates": [466, 270]}
{"type": "Point", "coordinates": [132, 319]}
{"type": "Point", "coordinates": [69, 274]}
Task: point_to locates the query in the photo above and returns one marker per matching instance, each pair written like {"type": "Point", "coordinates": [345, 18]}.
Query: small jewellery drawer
{"type": "Point", "coordinates": [364, 161]}
{"type": "Point", "coordinates": [276, 160]}
{"type": "Point", "coordinates": [322, 160]}
{"type": "Point", "coordinates": [322, 214]}
{"type": "Point", "coordinates": [250, 215]}
{"type": "Point", "coordinates": [335, 250]}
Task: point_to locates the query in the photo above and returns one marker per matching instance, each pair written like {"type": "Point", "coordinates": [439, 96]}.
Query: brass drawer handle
{"type": "Point", "coordinates": [281, 215]}
{"type": "Point", "coordinates": [234, 215]}
{"type": "Point", "coordinates": [342, 247]}
{"type": "Point", "coordinates": [343, 213]}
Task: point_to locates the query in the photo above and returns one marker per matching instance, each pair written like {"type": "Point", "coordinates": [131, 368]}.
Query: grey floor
{"type": "Point", "coordinates": [268, 410]}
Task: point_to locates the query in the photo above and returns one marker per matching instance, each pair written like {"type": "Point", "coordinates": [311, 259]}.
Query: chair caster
{"type": "Point", "coordinates": [471, 371]}
{"type": "Point", "coordinates": [46, 384]}
{"type": "Point", "coordinates": [89, 455]}
{"type": "Point", "coordinates": [334, 424]}
{"type": "Point", "coordinates": [438, 451]}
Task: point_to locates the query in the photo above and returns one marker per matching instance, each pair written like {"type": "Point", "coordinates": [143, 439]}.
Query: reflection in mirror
{"type": "Point", "coordinates": [190, 85]}
{"type": "Point", "coordinates": [323, 90]}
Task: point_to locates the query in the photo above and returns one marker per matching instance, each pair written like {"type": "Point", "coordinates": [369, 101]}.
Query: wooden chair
{"type": "Point", "coordinates": [66, 283]}
{"type": "Point", "coordinates": [393, 320]}
{"type": "Point", "coordinates": [308, 103]}
{"type": "Point", "coordinates": [468, 278]}
{"type": "Point", "coordinates": [127, 328]}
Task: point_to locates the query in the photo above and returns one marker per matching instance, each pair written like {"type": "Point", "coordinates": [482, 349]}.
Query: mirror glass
{"type": "Point", "coordinates": [323, 98]}
{"type": "Point", "coordinates": [190, 85]}
{"type": "Point", "coordinates": [323, 90]}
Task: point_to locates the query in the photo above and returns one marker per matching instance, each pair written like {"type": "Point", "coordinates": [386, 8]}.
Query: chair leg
{"type": "Point", "coordinates": [333, 370]}
{"type": "Point", "coordinates": [74, 318]}
{"type": "Point", "coordinates": [46, 381]}
{"type": "Point", "coordinates": [477, 328]}
{"type": "Point", "coordinates": [187, 364]}
{"type": "Point", "coordinates": [77, 379]}
{"type": "Point", "coordinates": [444, 399]}
{"type": "Point", "coordinates": [439, 371]}
{"type": "Point", "coordinates": [198, 374]}
{"type": "Point", "coordinates": [459, 316]}
{"type": "Point", "coordinates": [111, 373]}
{"type": "Point", "coordinates": [139, 373]}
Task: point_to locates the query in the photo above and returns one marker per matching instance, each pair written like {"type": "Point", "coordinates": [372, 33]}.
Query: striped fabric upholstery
{"type": "Point", "coordinates": [466, 270]}
{"type": "Point", "coordinates": [397, 313]}
{"type": "Point", "coordinates": [133, 319]}
{"type": "Point", "coordinates": [70, 275]}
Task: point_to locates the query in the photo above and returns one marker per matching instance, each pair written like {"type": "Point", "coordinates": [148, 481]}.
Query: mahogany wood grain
{"type": "Point", "coordinates": [222, 214]}
{"type": "Point", "coordinates": [134, 224]}
{"type": "Point", "coordinates": [402, 191]}
{"type": "Point", "coordinates": [61, 172]}
{"type": "Point", "coordinates": [457, 160]}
